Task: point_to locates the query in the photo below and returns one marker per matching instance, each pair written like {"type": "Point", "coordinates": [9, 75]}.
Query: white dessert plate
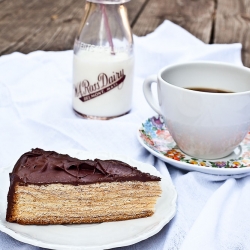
{"type": "Point", "coordinates": [155, 137]}
{"type": "Point", "coordinates": [93, 236]}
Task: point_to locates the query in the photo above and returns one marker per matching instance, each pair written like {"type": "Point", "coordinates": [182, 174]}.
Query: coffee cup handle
{"type": "Point", "coordinates": [148, 93]}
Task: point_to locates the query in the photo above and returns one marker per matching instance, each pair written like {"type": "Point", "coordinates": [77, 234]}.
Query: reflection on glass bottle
{"type": "Point", "coordinates": [103, 61]}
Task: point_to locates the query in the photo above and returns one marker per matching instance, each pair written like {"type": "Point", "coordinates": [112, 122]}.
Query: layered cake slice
{"type": "Point", "coordinates": [51, 188]}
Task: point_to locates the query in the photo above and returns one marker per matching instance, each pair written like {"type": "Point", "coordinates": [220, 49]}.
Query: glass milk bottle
{"type": "Point", "coordinates": [103, 61]}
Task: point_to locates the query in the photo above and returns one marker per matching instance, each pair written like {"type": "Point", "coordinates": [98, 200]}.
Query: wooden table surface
{"type": "Point", "coordinates": [29, 25]}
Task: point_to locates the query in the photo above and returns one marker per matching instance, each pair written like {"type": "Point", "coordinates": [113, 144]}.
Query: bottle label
{"type": "Point", "coordinates": [85, 90]}
{"type": "Point", "coordinates": [103, 83]}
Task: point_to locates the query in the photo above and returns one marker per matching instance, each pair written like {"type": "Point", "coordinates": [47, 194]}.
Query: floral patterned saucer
{"type": "Point", "coordinates": [155, 137]}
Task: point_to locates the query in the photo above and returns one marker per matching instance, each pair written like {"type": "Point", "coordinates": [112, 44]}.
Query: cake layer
{"type": "Point", "coordinates": [67, 204]}
{"type": "Point", "coordinates": [51, 188]}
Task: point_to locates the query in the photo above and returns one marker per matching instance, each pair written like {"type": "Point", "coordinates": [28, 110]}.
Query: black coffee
{"type": "Point", "coordinates": [210, 90]}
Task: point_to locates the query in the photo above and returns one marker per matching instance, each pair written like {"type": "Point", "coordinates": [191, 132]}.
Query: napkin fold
{"type": "Point", "coordinates": [36, 111]}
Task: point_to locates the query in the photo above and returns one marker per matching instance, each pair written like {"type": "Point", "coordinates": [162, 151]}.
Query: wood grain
{"type": "Point", "coordinates": [39, 25]}
{"type": "Point", "coordinates": [233, 25]}
{"type": "Point", "coordinates": [196, 16]}
{"type": "Point", "coordinates": [29, 25]}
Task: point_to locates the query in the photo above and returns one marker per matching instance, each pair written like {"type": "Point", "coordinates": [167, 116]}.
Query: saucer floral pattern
{"type": "Point", "coordinates": [155, 135]}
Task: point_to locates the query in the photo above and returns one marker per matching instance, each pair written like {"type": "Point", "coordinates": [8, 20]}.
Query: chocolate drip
{"type": "Point", "coordinates": [45, 167]}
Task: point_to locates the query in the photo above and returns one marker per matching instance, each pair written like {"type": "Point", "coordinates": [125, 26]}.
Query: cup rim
{"type": "Point", "coordinates": [230, 65]}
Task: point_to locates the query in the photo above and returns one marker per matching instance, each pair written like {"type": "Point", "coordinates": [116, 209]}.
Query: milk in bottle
{"type": "Point", "coordinates": [103, 62]}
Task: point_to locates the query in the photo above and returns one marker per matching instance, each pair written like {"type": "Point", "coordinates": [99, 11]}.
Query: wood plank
{"type": "Point", "coordinates": [29, 25]}
{"type": "Point", "coordinates": [134, 9]}
{"type": "Point", "coordinates": [194, 16]}
{"type": "Point", "coordinates": [33, 25]}
{"type": "Point", "coordinates": [233, 25]}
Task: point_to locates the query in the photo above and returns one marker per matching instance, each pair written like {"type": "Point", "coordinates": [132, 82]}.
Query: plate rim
{"type": "Point", "coordinates": [187, 166]}
{"type": "Point", "coordinates": [125, 242]}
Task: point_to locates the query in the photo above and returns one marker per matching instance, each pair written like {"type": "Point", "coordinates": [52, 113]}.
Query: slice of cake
{"type": "Point", "coordinates": [51, 188]}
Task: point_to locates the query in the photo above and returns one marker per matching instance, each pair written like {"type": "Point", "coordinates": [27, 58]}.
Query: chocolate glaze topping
{"type": "Point", "coordinates": [41, 167]}
{"type": "Point", "coordinates": [45, 167]}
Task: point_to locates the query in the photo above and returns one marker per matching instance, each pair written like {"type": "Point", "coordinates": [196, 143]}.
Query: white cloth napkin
{"type": "Point", "coordinates": [36, 111]}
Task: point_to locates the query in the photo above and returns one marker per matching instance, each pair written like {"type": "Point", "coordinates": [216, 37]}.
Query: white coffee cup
{"type": "Point", "coordinates": [204, 125]}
